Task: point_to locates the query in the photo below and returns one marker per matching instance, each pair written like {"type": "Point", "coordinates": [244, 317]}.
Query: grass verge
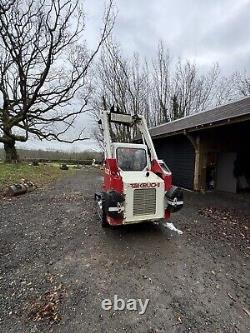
{"type": "Point", "coordinates": [39, 175]}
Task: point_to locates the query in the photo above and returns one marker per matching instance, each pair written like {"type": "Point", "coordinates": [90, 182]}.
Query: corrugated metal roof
{"type": "Point", "coordinates": [228, 111]}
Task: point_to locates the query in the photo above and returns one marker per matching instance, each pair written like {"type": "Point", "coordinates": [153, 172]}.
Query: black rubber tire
{"type": "Point", "coordinates": [104, 215]}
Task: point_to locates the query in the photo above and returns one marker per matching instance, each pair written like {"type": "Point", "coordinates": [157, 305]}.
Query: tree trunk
{"type": "Point", "coordinates": [11, 155]}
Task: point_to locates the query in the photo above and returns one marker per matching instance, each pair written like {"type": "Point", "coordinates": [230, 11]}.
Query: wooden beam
{"type": "Point", "coordinates": [197, 165]}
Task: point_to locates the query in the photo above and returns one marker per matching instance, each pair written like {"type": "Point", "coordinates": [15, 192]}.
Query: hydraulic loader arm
{"type": "Point", "coordinates": [142, 125]}
{"type": "Point", "coordinates": [106, 133]}
{"type": "Point", "coordinates": [136, 120]}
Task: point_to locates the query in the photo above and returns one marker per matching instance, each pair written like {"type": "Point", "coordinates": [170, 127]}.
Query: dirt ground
{"type": "Point", "coordinates": [58, 264]}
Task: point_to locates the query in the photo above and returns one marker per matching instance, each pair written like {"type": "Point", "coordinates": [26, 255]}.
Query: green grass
{"type": "Point", "coordinates": [39, 175]}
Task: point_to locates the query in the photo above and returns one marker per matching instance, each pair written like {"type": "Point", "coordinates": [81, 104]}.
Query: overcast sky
{"type": "Point", "coordinates": [205, 31]}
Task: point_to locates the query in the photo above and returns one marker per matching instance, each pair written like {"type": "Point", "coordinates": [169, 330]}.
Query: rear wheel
{"type": "Point", "coordinates": [104, 218]}
{"type": "Point", "coordinates": [102, 214]}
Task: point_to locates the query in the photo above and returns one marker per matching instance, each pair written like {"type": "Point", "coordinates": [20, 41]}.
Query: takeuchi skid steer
{"type": "Point", "coordinates": [137, 186]}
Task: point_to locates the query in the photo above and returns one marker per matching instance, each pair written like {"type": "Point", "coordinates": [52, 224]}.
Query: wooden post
{"type": "Point", "coordinates": [199, 167]}
{"type": "Point", "coordinates": [197, 164]}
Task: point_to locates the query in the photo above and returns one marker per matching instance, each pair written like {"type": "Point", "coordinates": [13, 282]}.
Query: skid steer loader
{"type": "Point", "coordinates": [137, 186]}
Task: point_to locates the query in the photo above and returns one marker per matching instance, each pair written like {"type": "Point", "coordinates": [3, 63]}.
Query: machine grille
{"type": "Point", "coordinates": [144, 201]}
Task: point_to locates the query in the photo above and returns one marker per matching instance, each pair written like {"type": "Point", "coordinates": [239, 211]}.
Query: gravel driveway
{"type": "Point", "coordinates": [58, 264]}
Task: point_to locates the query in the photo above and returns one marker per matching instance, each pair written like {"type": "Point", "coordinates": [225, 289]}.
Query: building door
{"type": "Point", "coordinates": [225, 180]}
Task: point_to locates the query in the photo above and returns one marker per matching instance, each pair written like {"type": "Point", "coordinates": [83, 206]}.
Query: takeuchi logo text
{"type": "Point", "coordinates": [144, 185]}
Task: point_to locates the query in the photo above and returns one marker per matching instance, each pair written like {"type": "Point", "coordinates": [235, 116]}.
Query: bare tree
{"type": "Point", "coordinates": [242, 83]}
{"type": "Point", "coordinates": [224, 90]}
{"type": "Point", "coordinates": [161, 84]}
{"type": "Point", "coordinates": [191, 92]}
{"type": "Point", "coordinates": [160, 90]}
{"type": "Point", "coordinates": [180, 89]}
{"type": "Point", "coordinates": [44, 64]}
{"type": "Point", "coordinates": [122, 83]}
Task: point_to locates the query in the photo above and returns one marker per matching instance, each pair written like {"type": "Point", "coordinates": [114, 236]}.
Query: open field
{"type": "Point", "coordinates": [58, 264]}
{"type": "Point", "coordinates": [32, 154]}
{"type": "Point", "coordinates": [39, 175]}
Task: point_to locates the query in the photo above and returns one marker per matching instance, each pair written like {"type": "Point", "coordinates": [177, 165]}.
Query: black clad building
{"type": "Point", "coordinates": [209, 150]}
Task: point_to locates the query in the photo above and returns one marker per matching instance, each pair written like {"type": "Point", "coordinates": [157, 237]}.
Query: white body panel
{"type": "Point", "coordinates": [144, 196]}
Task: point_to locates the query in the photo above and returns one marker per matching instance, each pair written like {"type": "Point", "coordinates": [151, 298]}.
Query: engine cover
{"type": "Point", "coordinates": [144, 196]}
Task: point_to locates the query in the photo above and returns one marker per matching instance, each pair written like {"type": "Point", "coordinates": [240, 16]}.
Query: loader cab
{"type": "Point", "coordinates": [137, 186]}
{"type": "Point", "coordinates": [131, 157]}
